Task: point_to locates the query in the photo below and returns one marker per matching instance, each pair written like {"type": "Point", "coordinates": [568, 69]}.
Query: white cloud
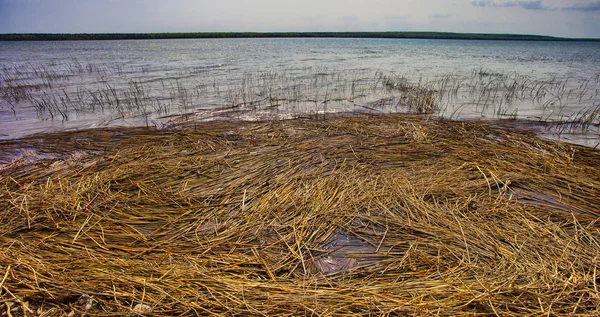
{"type": "Point", "coordinates": [567, 5]}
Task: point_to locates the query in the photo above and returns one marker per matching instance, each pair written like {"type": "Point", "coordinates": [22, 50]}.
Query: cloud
{"type": "Point", "coordinates": [349, 19]}
{"type": "Point", "coordinates": [529, 5]}
{"type": "Point", "coordinates": [562, 5]}
{"type": "Point", "coordinates": [396, 17]}
{"type": "Point", "coordinates": [593, 6]}
{"type": "Point", "coordinates": [439, 16]}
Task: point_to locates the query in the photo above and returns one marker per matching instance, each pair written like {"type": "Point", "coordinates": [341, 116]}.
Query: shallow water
{"type": "Point", "coordinates": [49, 86]}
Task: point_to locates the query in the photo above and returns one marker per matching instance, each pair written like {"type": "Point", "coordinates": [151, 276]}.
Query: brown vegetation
{"type": "Point", "coordinates": [385, 215]}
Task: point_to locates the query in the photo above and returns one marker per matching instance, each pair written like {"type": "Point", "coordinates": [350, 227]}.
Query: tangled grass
{"type": "Point", "coordinates": [380, 215]}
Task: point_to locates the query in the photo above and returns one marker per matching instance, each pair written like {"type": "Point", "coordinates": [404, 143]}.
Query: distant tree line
{"type": "Point", "coordinates": [214, 35]}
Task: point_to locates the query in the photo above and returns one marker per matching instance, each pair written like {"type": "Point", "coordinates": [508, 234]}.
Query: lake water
{"type": "Point", "coordinates": [49, 86]}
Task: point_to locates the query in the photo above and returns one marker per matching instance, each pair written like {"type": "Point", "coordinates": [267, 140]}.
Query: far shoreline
{"type": "Point", "coordinates": [225, 35]}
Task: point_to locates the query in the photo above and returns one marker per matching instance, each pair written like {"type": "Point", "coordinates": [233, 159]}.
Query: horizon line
{"type": "Point", "coordinates": [292, 34]}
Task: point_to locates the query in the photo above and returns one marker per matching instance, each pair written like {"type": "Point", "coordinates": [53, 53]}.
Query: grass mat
{"type": "Point", "coordinates": [385, 215]}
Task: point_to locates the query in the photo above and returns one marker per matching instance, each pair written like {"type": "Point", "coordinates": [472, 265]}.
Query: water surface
{"type": "Point", "coordinates": [49, 86]}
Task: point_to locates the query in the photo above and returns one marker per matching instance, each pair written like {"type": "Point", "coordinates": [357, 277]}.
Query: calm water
{"type": "Point", "coordinates": [48, 86]}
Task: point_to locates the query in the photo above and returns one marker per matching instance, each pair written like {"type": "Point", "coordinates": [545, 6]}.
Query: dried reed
{"type": "Point", "coordinates": [362, 216]}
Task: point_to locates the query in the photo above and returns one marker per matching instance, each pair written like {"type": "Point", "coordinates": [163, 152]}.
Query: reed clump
{"type": "Point", "coordinates": [378, 215]}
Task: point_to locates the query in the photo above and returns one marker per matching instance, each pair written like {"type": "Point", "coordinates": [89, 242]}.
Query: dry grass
{"type": "Point", "coordinates": [387, 215]}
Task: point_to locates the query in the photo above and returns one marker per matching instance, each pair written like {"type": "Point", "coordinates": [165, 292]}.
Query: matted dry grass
{"type": "Point", "coordinates": [386, 215]}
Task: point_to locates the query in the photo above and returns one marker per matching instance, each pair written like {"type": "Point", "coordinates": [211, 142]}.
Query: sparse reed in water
{"type": "Point", "coordinates": [68, 89]}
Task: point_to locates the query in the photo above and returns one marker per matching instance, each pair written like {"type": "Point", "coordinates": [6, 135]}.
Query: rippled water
{"type": "Point", "coordinates": [48, 86]}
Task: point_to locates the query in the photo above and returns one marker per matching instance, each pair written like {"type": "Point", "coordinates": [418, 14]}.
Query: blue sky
{"type": "Point", "coordinates": [568, 18]}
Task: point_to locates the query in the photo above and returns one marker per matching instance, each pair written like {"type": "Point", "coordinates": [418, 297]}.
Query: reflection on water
{"type": "Point", "coordinates": [48, 86]}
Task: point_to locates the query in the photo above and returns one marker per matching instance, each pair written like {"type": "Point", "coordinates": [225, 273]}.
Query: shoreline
{"type": "Point", "coordinates": [558, 131]}
{"type": "Point", "coordinates": [222, 35]}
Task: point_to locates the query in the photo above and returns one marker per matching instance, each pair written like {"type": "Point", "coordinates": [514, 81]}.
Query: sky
{"type": "Point", "coordinates": [564, 18]}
